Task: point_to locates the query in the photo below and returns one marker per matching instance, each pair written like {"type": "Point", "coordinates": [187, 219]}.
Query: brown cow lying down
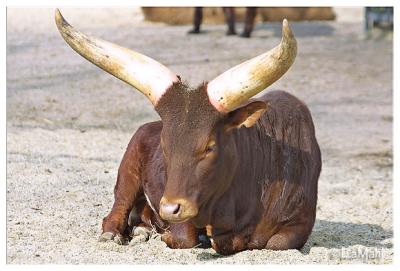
{"type": "Point", "coordinates": [243, 172]}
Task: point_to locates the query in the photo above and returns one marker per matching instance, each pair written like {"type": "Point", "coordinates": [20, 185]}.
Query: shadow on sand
{"type": "Point", "coordinates": [339, 235]}
{"type": "Point", "coordinates": [301, 29]}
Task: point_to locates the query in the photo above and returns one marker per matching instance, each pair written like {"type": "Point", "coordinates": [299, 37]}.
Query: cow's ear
{"type": "Point", "coordinates": [246, 115]}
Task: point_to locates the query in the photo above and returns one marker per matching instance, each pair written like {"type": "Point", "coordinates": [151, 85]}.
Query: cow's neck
{"type": "Point", "coordinates": [240, 204]}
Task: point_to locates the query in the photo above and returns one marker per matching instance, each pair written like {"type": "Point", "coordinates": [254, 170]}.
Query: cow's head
{"type": "Point", "coordinates": [198, 123]}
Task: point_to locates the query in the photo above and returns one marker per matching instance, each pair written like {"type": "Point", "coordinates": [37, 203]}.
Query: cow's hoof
{"type": "Point", "coordinates": [109, 236]}
{"type": "Point", "coordinates": [194, 31]}
{"type": "Point", "coordinates": [106, 236]}
{"type": "Point", "coordinates": [230, 33]}
{"type": "Point", "coordinates": [138, 239]}
{"type": "Point", "coordinates": [140, 235]}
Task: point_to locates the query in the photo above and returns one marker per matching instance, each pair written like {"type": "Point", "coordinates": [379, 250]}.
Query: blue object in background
{"type": "Point", "coordinates": [381, 17]}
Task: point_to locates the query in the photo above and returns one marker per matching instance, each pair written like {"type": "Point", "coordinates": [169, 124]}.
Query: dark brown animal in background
{"type": "Point", "coordinates": [243, 172]}
{"type": "Point", "coordinates": [229, 13]}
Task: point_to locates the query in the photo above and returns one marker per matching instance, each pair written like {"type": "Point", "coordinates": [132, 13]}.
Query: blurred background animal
{"type": "Point", "coordinates": [229, 13]}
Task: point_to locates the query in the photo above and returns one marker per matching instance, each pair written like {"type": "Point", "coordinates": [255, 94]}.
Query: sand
{"type": "Point", "coordinates": [68, 124]}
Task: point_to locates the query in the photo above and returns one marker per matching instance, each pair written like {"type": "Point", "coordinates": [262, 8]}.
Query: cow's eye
{"type": "Point", "coordinates": [210, 148]}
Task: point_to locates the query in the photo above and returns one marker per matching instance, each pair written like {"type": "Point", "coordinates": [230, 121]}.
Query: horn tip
{"type": "Point", "coordinates": [58, 14]}
{"type": "Point", "coordinates": [285, 25]}
{"type": "Point", "coordinates": [60, 21]}
{"type": "Point", "coordinates": [286, 31]}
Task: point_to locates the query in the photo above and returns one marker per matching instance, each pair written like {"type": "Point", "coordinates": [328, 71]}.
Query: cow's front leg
{"type": "Point", "coordinates": [127, 193]}
{"type": "Point", "coordinates": [183, 235]}
{"type": "Point", "coordinates": [115, 224]}
{"type": "Point", "coordinates": [228, 244]}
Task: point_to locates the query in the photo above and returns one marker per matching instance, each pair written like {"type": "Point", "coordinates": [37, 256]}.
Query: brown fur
{"type": "Point", "coordinates": [256, 188]}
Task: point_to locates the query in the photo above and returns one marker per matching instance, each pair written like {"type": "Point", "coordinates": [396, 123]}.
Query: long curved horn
{"type": "Point", "coordinates": [147, 75]}
{"type": "Point", "coordinates": [233, 87]}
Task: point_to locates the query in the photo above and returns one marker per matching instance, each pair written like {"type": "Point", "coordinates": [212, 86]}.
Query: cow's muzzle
{"type": "Point", "coordinates": [177, 210]}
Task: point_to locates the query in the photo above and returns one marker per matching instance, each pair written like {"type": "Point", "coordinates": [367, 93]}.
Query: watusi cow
{"type": "Point", "coordinates": [229, 13]}
{"type": "Point", "coordinates": [241, 171]}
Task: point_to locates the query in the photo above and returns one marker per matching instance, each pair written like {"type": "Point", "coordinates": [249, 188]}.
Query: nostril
{"type": "Point", "coordinates": [171, 209]}
{"type": "Point", "coordinates": [177, 208]}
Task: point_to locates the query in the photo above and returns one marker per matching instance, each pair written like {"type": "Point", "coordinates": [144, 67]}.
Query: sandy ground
{"type": "Point", "coordinates": [69, 123]}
